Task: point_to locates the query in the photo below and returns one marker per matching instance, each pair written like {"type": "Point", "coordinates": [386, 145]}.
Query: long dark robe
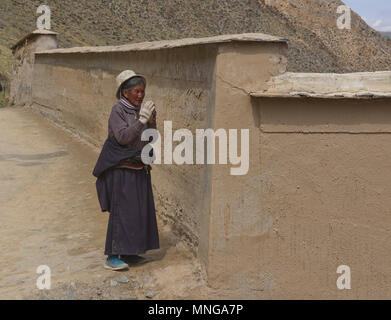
{"type": "Point", "coordinates": [132, 227]}
{"type": "Point", "coordinates": [127, 195]}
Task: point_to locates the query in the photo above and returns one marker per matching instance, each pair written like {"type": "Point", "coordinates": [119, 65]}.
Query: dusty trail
{"type": "Point", "coordinates": [50, 215]}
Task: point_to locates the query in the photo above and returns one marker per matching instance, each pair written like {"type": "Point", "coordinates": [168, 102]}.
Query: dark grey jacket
{"type": "Point", "coordinates": [123, 142]}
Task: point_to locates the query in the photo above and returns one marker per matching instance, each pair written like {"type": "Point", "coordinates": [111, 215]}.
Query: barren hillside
{"type": "Point", "coordinates": [317, 44]}
{"type": "Point", "coordinates": [388, 34]}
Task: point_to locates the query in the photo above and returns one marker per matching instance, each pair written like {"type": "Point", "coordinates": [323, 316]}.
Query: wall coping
{"type": "Point", "coordinates": [359, 85]}
{"type": "Point", "coordinates": [166, 44]}
{"type": "Point", "coordinates": [33, 34]}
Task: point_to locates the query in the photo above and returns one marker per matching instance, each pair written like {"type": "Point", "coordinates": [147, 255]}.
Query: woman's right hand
{"type": "Point", "coordinates": [146, 111]}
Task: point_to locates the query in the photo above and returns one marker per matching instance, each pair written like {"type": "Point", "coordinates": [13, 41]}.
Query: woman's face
{"type": "Point", "coordinates": [135, 95]}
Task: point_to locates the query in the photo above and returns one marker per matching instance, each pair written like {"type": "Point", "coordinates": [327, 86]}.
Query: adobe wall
{"type": "Point", "coordinates": [199, 86]}
{"type": "Point", "coordinates": [23, 67]}
{"type": "Point", "coordinates": [325, 197]}
{"type": "Point", "coordinates": [317, 192]}
{"type": "Point", "coordinates": [78, 90]}
{"type": "Point", "coordinates": [237, 224]}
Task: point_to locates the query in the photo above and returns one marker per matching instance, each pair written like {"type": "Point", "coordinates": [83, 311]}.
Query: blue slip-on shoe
{"type": "Point", "coordinates": [115, 263]}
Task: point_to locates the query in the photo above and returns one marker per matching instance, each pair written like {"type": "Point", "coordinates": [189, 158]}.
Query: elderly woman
{"type": "Point", "coordinates": [124, 181]}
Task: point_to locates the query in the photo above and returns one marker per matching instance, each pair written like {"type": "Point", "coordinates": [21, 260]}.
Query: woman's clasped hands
{"type": "Point", "coordinates": [146, 111]}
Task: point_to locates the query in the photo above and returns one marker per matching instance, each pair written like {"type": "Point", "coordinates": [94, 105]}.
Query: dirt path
{"type": "Point", "coordinates": [50, 215]}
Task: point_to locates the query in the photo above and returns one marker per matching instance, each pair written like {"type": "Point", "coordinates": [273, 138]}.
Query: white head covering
{"type": "Point", "coordinates": [124, 76]}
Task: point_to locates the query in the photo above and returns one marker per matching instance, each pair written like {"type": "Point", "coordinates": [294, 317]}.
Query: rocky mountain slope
{"type": "Point", "coordinates": [388, 34]}
{"type": "Point", "coordinates": [317, 45]}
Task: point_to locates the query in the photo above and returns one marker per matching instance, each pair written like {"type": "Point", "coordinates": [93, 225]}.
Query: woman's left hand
{"type": "Point", "coordinates": [152, 119]}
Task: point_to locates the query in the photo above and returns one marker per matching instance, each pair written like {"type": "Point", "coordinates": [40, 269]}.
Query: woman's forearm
{"type": "Point", "coordinates": [130, 134]}
{"type": "Point", "coordinates": [125, 133]}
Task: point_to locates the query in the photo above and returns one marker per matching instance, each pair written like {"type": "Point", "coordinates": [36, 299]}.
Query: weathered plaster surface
{"type": "Point", "coordinates": [312, 115]}
{"type": "Point", "coordinates": [360, 85]}
{"type": "Point", "coordinates": [23, 64]}
{"type": "Point", "coordinates": [32, 37]}
{"type": "Point", "coordinates": [325, 186]}
{"type": "Point", "coordinates": [78, 90]}
{"type": "Point", "coordinates": [237, 224]}
{"type": "Point", "coordinates": [317, 192]}
{"type": "Point", "coordinates": [328, 199]}
{"type": "Point", "coordinates": [167, 44]}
